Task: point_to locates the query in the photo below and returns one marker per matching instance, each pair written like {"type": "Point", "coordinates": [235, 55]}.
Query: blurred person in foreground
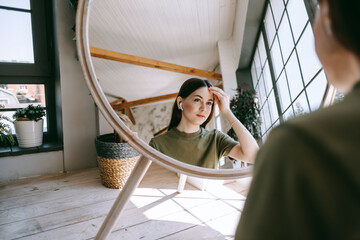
{"type": "Point", "coordinates": [306, 182]}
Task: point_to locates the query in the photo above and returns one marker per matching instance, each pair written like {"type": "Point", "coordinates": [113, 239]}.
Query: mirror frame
{"type": "Point", "coordinates": [83, 50]}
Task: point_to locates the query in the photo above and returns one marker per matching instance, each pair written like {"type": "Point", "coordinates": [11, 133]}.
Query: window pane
{"type": "Point", "coordinates": [257, 62]}
{"type": "Point", "coordinates": [301, 106]}
{"type": "Point", "coordinates": [263, 126]}
{"type": "Point", "coordinates": [262, 89]}
{"type": "Point", "coordinates": [285, 38]}
{"type": "Point", "coordinates": [267, 79]}
{"type": "Point", "coordinates": [267, 118]}
{"type": "Point", "coordinates": [293, 76]}
{"type": "Point", "coordinates": [8, 114]}
{"type": "Point", "coordinates": [309, 61]}
{"type": "Point", "coordinates": [259, 94]}
{"type": "Point", "coordinates": [264, 137]}
{"type": "Point", "coordinates": [272, 106]}
{"type": "Point", "coordinates": [276, 57]}
{"type": "Point", "coordinates": [262, 51]}
{"type": "Point", "coordinates": [277, 7]}
{"type": "Point", "coordinates": [289, 113]}
{"type": "Point", "coordinates": [298, 17]}
{"type": "Point", "coordinates": [283, 91]}
{"type": "Point", "coordinates": [316, 90]}
{"type": "Point", "coordinates": [253, 74]}
{"type": "Point", "coordinates": [23, 4]}
{"type": "Point", "coordinates": [16, 44]}
{"type": "Point", "coordinates": [277, 123]}
{"type": "Point", "coordinates": [21, 95]}
{"type": "Point", "coordinates": [269, 26]}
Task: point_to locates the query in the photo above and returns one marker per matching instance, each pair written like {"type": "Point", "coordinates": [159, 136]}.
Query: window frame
{"type": "Point", "coordinates": [45, 70]}
{"type": "Point", "coordinates": [310, 6]}
{"type": "Point", "coordinates": [42, 65]}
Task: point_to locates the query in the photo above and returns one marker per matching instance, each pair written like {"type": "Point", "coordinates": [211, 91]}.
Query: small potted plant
{"type": "Point", "coordinates": [6, 137]}
{"type": "Point", "coordinates": [29, 126]}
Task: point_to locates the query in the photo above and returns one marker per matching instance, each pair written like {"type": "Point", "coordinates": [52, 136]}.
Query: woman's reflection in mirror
{"type": "Point", "coordinates": [188, 141]}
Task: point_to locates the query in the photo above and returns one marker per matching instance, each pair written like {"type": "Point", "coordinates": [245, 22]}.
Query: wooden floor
{"type": "Point", "coordinates": [74, 205]}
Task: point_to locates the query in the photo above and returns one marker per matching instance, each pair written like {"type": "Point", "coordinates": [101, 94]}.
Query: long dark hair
{"type": "Point", "coordinates": [345, 23]}
{"type": "Point", "coordinates": [188, 87]}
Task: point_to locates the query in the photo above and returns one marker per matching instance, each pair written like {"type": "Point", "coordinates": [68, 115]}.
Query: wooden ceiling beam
{"type": "Point", "coordinates": [147, 62]}
{"type": "Point", "coordinates": [118, 101]}
{"type": "Point", "coordinates": [128, 112]}
{"type": "Point", "coordinates": [125, 105]}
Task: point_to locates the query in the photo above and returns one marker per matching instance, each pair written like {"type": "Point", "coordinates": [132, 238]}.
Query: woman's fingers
{"type": "Point", "coordinates": [218, 92]}
{"type": "Point", "coordinates": [221, 98]}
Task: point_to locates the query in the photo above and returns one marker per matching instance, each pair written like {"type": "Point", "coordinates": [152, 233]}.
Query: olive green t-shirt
{"type": "Point", "coordinates": [203, 148]}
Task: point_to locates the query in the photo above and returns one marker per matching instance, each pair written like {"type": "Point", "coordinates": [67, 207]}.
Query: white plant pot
{"type": "Point", "coordinates": [29, 133]}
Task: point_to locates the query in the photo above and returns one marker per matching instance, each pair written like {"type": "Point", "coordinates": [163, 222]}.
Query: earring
{"type": "Point", "coordinates": [181, 107]}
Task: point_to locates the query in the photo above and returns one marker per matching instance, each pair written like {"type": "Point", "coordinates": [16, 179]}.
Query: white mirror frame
{"type": "Point", "coordinates": [148, 153]}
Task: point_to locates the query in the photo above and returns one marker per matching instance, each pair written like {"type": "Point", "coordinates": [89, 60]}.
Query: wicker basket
{"type": "Point", "coordinates": [116, 160]}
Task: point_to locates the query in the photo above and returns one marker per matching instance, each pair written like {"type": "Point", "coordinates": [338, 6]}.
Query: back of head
{"type": "Point", "coordinates": [345, 23]}
{"type": "Point", "coordinates": [188, 87]}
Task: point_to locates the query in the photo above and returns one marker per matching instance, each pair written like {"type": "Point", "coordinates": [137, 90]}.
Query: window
{"type": "Point", "coordinates": [285, 70]}
{"type": "Point", "coordinates": [27, 59]}
{"type": "Point", "coordinates": [19, 33]}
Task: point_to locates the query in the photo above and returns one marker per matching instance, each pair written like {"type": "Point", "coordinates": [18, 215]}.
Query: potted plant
{"type": "Point", "coordinates": [6, 137]}
{"type": "Point", "coordinates": [245, 106]}
{"type": "Point", "coordinates": [29, 126]}
{"type": "Point", "coordinates": [116, 158]}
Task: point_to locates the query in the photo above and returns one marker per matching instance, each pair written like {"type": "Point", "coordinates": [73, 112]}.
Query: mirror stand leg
{"type": "Point", "coordinates": [182, 182]}
{"type": "Point", "coordinates": [135, 178]}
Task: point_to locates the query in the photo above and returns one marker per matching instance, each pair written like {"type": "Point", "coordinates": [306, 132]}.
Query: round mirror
{"type": "Point", "coordinates": [135, 55]}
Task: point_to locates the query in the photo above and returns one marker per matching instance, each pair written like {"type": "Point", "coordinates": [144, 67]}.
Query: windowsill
{"type": "Point", "coordinates": [16, 150]}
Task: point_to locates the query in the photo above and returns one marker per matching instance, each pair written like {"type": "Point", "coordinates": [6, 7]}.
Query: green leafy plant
{"type": "Point", "coordinates": [30, 113]}
{"type": "Point", "coordinates": [245, 107]}
{"type": "Point", "coordinates": [6, 137]}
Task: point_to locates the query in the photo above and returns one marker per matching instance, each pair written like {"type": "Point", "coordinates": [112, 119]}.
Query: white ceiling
{"type": "Point", "coordinates": [183, 32]}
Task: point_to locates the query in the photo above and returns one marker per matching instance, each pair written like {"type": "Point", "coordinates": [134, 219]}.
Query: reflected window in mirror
{"type": "Point", "coordinates": [286, 72]}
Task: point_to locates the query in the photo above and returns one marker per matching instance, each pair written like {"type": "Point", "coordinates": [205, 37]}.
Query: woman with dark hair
{"type": "Point", "coordinates": [306, 182]}
{"type": "Point", "coordinates": [187, 139]}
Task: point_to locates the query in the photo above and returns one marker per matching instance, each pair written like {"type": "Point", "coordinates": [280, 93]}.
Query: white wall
{"type": "Point", "coordinates": [230, 49]}
{"type": "Point", "coordinates": [228, 65]}
{"type": "Point", "coordinates": [30, 165]}
{"type": "Point", "coordinates": [239, 27]}
{"type": "Point", "coordinates": [78, 109]}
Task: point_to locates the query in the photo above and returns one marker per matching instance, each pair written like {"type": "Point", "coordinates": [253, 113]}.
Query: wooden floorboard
{"type": "Point", "coordinates": [74, 205]}
{"type": "Point", "coordinates": [33, 186]}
